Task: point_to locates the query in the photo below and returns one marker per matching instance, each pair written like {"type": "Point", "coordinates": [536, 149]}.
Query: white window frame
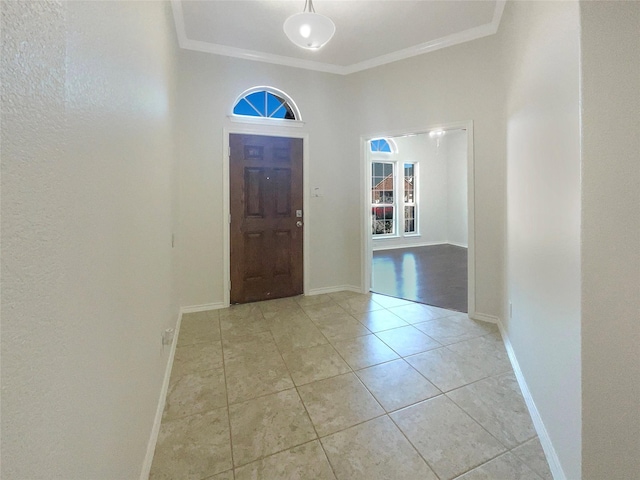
{"type": "Point", "coordinates": [280, 122]}
{"type": "Point", "coordinates": [398, 196]}
{"type": "Point", "coordinates": [394, 205]}
{"type": "Point", "coordinates": [416, 201]}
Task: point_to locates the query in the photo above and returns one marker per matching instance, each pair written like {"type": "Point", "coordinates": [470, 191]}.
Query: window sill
{"type": "Point", "coordinates": [384, 237]}
{"type": "Point", "coordinates": [280, 122]}
{"type": "Point", "coordinates": [390, 237]}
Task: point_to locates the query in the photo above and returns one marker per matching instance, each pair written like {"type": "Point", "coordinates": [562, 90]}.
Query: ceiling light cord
{"type": "Point", "coordinates": [308, 6]}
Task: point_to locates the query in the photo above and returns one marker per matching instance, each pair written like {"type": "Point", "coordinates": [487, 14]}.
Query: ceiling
{"type": "Point", "coordinates": [368, 33]}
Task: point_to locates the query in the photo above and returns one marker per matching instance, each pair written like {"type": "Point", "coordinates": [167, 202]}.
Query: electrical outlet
{"type": "Point", "coordinates": [167, 336]}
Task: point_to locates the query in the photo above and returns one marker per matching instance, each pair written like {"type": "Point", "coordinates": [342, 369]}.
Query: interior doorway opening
{"type": "Point", "coordinates": [419, 217]}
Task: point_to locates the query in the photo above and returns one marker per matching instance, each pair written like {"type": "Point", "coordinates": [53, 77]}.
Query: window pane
{"type": "Point", "coordinates": [408, 196]}
{"type": "Point", "coordinates": [380, 145]}
{"type": "Point", "coordinates": [382, 198]}
{"type": "Point", "coordinates": [382, 183]}
{"type": "Point", "coordinates": [409, 226]}
{"type": "Point", "coordinates": [243, 108]}
{"type": "Point", "coordinates": [409, 183]}
{"type": "Point", "coordinates": [264, 104]}
{"type": "Point", "coordinates": [275, 106]}
{"type": "Point", "coordinates": [257, 99]}
{"type": "Point", "coordinates": [409, 219]}
{"type": "Point", "coordinates": [408, 190]}
{"type": "Point", "coordinates": [382, 220]}
{"type": "Point", "coordinates": [408, 169]}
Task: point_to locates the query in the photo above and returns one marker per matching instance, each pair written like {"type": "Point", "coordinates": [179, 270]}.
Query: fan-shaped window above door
{"type": "Point", "coordinates": [266, 102]}
{"type": "Point", "coordinates": [383, 145]}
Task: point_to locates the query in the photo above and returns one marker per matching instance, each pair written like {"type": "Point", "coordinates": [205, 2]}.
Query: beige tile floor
{"type": "Point", "coordinates": [343, 386]}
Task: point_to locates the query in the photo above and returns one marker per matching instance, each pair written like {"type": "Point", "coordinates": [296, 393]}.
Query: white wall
{"type": "Point", "coordinates": [432, 191]}
{"type": "Point", "coordinates": [338, 111]}
{"type": "Point", "coordinates": [87, 265]}
{"type": "Point", "coordinates": [208, 86]}
{"type": "Point", "coordinates": [610, 56]}
{"type": "Point", "coordinates": [541, 46]}
{"type": "Point", "coordinates": [455, 144]}
{"type": "Point", "coordinates": [455, 84]}
{"type": "Point", "coordinates": [442, 188]}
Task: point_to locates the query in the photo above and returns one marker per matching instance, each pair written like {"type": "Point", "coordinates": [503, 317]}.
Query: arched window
{"type": "Point", "coordinates": [266, 102]}
{"type": "Point", "coordinates": [383, 145]}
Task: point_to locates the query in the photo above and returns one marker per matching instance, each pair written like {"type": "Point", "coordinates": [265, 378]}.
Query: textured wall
{"type": "Point", "coordinates": [541, 41]}
{"type": "Point", "coordinates": [87, 205]}
{"type": "Point", "coordinates": [610, 57]}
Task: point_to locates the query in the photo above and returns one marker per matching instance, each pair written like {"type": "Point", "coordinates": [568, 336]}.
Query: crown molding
{"type": "Point", "coordinates": [433, 45]}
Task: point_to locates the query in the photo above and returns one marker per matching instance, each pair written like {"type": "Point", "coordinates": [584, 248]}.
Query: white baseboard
{"type": "Point", "coordinates": [484, 317]}
{"type": "Point", "coordinates": [412, 245]}
{"type": "Point", "coordinates": [405, 245]}
{"type": "Point", "coordinates": [155, 430]}
{"type": "Point", "coordinates": [337, 288]}
{"type": "Point", "coordinates": [543, 435]}
{"type": "Point", "coordinates": [203, 308]}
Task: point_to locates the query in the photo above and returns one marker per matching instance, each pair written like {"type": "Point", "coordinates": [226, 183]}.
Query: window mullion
{"type": "Point", "coordinates": [400, 198]}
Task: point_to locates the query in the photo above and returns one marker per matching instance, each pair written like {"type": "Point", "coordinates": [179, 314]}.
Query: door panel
{"type": "Point", "coordinates": [254, 196]}
{"type": "Point", "coordinates": [282, 179]}
{"type": "Point", "coordinates": [265, 178]}
{"type": "Point", "coordinates": [281, 255]}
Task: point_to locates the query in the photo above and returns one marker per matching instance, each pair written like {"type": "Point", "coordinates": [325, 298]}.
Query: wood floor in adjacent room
{"type": "Point", "coordinates": [435, 275]}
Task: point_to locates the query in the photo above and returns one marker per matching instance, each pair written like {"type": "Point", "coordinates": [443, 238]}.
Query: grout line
{"type": "Point", "coordinates": [226, 387]}
{"type": "Point", "coordinates": [263, 457]}
{"type": "Point", "coordinates": [281, 352]}
{"type": "Point", "coordinates": [414, 447]}
{"type": "Point", "coordinates": [481, 464]}
{"type": "Point", "coordinates": [305, 406]}
{"type": "Point", "coordinates": [354, 425]}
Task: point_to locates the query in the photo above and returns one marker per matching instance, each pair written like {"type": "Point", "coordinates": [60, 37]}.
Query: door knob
{"type": "Point", "coordinates": [298, 223]}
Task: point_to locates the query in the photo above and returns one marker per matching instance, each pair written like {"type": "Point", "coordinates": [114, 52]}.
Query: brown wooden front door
{"type": "Point", "coordinates": [265, 178]}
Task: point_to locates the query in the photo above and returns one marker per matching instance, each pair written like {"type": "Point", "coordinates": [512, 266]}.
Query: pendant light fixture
{"type": "Point", "coordinates": [309, 29]}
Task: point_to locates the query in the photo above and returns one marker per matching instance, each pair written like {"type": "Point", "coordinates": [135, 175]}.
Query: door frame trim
{"type": "Point", "coordinates": [365, 200]}
{"type": "Point", "coordinates": [265, 131]}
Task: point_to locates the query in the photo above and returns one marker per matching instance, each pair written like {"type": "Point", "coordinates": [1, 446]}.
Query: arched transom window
{"type": "Point", "coordinates": [383, 145]}
{"type": "Point", "coordinates": [266, 102]}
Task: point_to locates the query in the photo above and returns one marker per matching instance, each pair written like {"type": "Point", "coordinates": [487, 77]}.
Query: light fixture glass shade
{"type": "Point", "coordinates": [309, 30]}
